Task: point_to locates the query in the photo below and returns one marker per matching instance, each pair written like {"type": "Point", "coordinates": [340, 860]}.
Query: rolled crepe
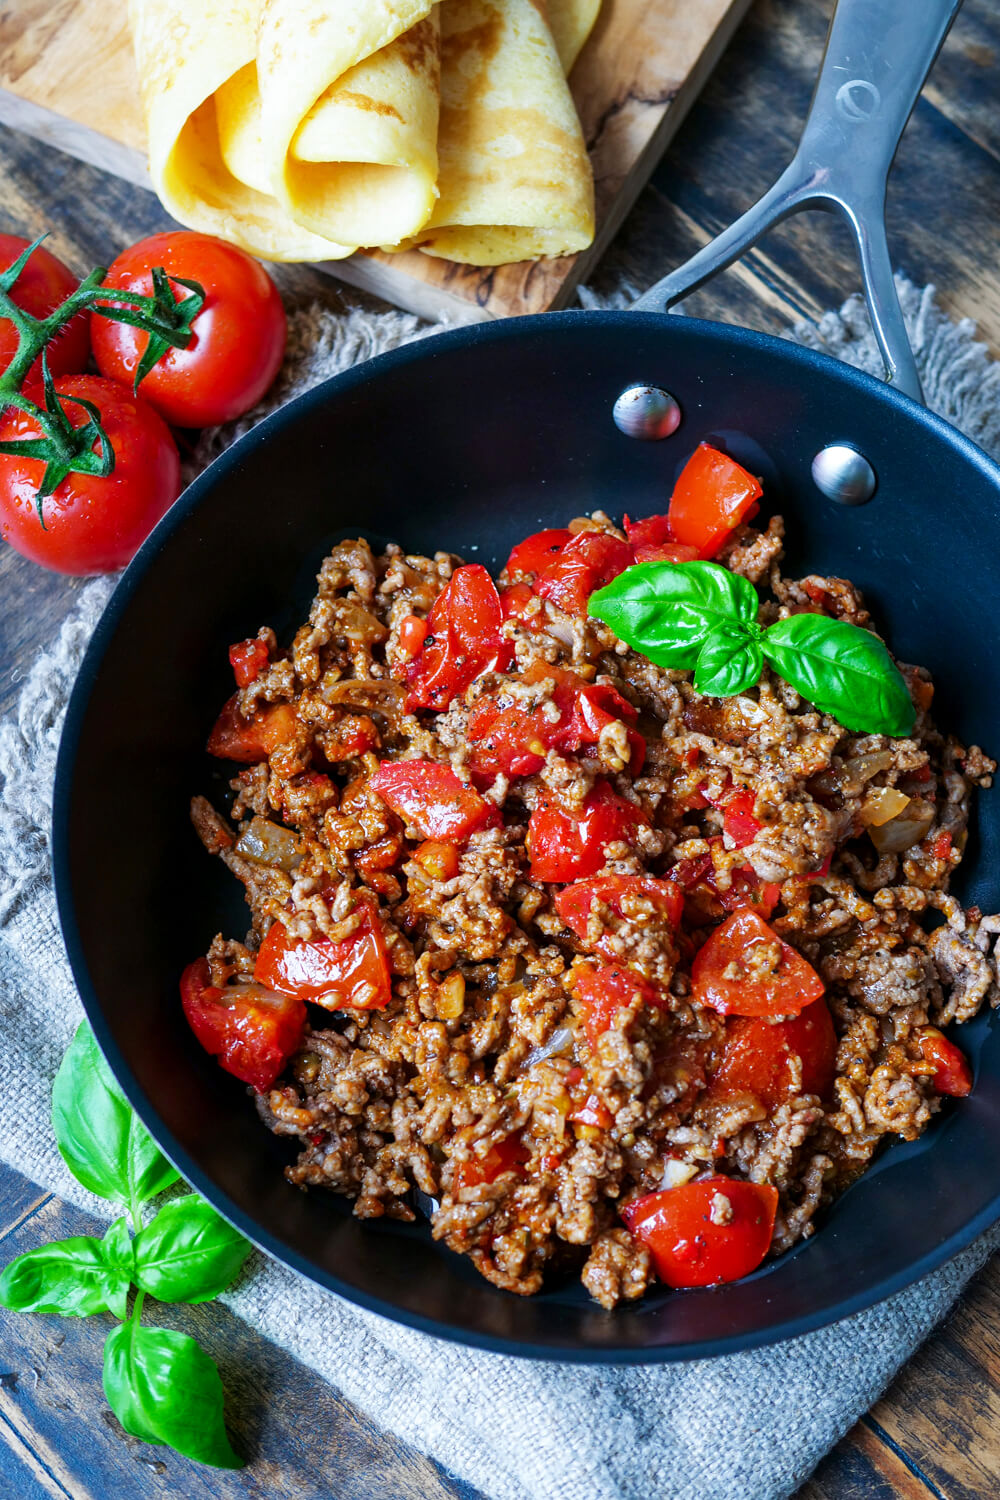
{"type": "Point", "coordinates": [349, 93]}
{"type": "Point", "coordinates": [571, 22]}
{"type": "Point", "coordinates": [514, 179]}
{"type": "Point", "coordinates": [185, 55]}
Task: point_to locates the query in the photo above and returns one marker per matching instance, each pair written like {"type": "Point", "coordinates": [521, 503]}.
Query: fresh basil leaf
{"type": "Point", "coordinates": [667, 610]}
{"type": "Point", "coordinates": [844, 670]}
{"type": "Point", "coordinates": [100, 1137]}
{"type": "Point", "coordinates": [188, 1253]}
{"type": "Point", "coordinates": [164, 1388]}
{"type": "Point", "coordinates": [74, 1277]}
{"type": "Point", "coordinates": [729, 662]}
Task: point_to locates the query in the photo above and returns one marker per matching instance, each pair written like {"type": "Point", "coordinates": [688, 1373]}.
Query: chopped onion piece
{"type": "Point", "coordinates": [269, 843]}
{"type": "Point", "coordinates": [676, 1173]}
{"type": "Point", "coordinates": [882, 804]}
{"type": "Point", "coordinates": [902, 832]}
{"type": "Point", "coordinates": [560, 1039]}
{"type": "Point", "coordinates": [853, 774]}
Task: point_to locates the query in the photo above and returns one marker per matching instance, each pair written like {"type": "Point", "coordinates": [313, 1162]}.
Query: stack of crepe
{"type": "Point", "coordinates": [305, 129]}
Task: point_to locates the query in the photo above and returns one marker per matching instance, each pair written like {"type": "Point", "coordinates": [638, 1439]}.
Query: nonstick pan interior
{"type": "Point", "coordinates": [468, 442]}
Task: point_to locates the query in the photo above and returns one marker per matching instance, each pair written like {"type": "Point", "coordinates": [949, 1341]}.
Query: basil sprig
{"type": "Point", "coordinates": [698, 615]}
{"type": "Point", "coordinates": [161, 1385]}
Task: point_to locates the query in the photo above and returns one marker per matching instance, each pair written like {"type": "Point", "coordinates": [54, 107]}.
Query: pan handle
{"type": "Point", "coordinates": [878, 55]}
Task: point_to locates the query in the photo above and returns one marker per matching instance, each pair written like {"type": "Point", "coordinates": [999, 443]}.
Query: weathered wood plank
{"type": "Point", "coordinates": [865, 1467]}
{"type": "Point", "coordinates": [300, 1438]}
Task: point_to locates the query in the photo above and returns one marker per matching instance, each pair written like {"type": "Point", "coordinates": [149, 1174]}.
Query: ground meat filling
{"type": "Point", "coordinates": [479, 1097]}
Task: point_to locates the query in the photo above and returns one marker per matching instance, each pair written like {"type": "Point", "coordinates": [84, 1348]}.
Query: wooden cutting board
{"type": "Point", "coordinates": [67, 77]}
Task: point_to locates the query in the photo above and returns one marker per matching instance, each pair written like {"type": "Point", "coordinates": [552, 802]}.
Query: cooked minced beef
{"type": "Point", "coordinates": [386, 1101]}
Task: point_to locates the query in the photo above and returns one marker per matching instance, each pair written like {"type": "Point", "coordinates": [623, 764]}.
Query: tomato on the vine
{"type": "Point", "coordinates": [43, 284]}
{"type": "Point", "coordinates": [91, 524]}
{"type": "Point", "coordinates": [238, 337]}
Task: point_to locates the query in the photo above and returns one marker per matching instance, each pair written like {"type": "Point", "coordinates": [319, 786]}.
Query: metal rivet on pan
{"type": "Point", "coordinates": [844, 474]}
{"type": "Point", "coordinates": [646, 411]}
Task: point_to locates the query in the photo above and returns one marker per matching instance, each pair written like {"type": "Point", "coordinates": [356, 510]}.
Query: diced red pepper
{"type": "Point", "coordinates": [604, 991]}
{"type": "Point", "coordinates": [354, 735]}
{"type": "Point", "coordinates": [705, 1233]}
{"type": "Point", "coordinates": [514, 741]}
{"type": "Point", "coordinates": [412, 634]}
{"type": "Point", "coordinates": [953, 1075]}
{"type": "Point", "coordinates": [738, 821]}
{"type": "Point", "coordinates": [431, 798]}
{"type": "Point", "coordinates": [352, 973]}
{"type": "Point", "coordinates": [653, 541]}
{"type": "Point", "coordinates": [537, 552]}
{"type": "Point", "coordinates": [745, 969]}
{"type": "Point", "coordinates": [248, 659]}
{"type": "Point", "coordinates": [235, 738]}
{"type": "Point", "coordinates": [941, 847]}
{"type": "Point", "coordinates": [594, 1112]}
{"type": "Point", "coordinates": [712, 496]}
{"type": "Point", "coordinates": [757, 1053]}
{"type": "Point", "coordinates": [463, 640]}
{"type": "Point", "coordinates": [570, 845]}
{"type": "Point", "coordinates": [251, 1030]}
{"type": "Point", "coordinates": [508, 1155]}
{"type": "Point", "coordinates": [621, 893]}
{"type": "Point", "coordinates": [586, 563]}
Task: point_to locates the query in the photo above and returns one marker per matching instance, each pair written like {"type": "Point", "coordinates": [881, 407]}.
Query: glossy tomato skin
{"type": "Point", "coordinates": [697, 1240]}
{"type": "Point", "coordinates": [430, 797]}
{"type": "Point", "coordinates": [508, 1155]}
{"type": "Point", "coordinates": [952, 1074]}
{"type": "Point", "coordinates": [250, 740]}
{"type": "Point", "coordinates": [586, 563]}
{"type": "Point", "coordinates": [44, 283]}
{"type": "Point", "coordinates": [252, 1031]}
{"type": "Point", "coordinates": [605, 991]}
{"type": "Point", "coordinates": [756, 1057]}
{"type": "Point", "coordinates": [463, 640]}
{"type": "Point", "coordinates": [238, 339]}
{"type": "Point", "coordinates": [617, 891]}
{"type": "Point", "coordinates": [354, 972]}
{"type": "Point", "coordinates": [566, 846]}
{"type": "Point", "coordinates": [745, 969]}
{"type": "Point", "coordinates": [712, 496]}
{"type": "Point", "coordinates": [537, 552]}
{"type": "Point", "coordinates": [92, 525]}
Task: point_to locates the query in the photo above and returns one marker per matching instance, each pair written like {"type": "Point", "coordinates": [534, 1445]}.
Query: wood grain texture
{"type": "Point", "coordinates": [633, 84]}
{"type": "Point", "coordinates": [935, 1433]}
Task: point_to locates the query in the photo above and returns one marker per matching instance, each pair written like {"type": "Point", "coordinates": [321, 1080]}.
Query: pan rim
{"type": "Point", "coordinates": [439, 345]}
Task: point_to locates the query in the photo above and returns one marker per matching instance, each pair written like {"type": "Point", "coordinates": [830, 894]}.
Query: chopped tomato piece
{"type": "Point", "coordinates": [757, 1054]}
{"type": "Point", "coordinates": [628, 896]}
{"type": "Point", "coordinates": [235, 738]}
{"type": "Point", "coordinates": [713, 494]}
{"type": "Point", "coordinates": [354, 735]}
{"type": "Point", "coordinates": [738, 821]}
{"type": "Point", "coordinates": [745, 969]}
{"type": "Point", "coordinates": [746, 889]}
{"type": "Point", "coordinates": [603, 992]}
{"type": "Point", "coordinates": [412, 634]}
{"type": "Point", "coordinates": [248, 659]}
{"type": "Point", "coordinates": [586, 563]}
{"type": "Point", "coordinates": [536, 553]}
{"type": "Point", "coordinates": [508, 1155]}
{"type": "Point", "coordinates": [430, 797]}
{"type": "Point", "coordinates": [463, 640]}
{"type": "Point", "coordinates": [941, 847]}
{"type": "Point", "coordinates": [514, 604]}
{"type": "Point", "coordinates": [953, 1074]}
{"type": "Point", "coordinates": [653, 541]}
{"type": "Point", "coordinates": [438, 859]}
{"type": "Point", "coordinates": [354, 972]}
{"type": "Point", "coordinates": [251, 1030]}
{"type": "Point", "coordinates": [509, 739]}
{"type": "Point", "coordinates": [705, 1233]}
{"type": "Point", "coordinates": [593, 1111]}
{"type": "Point", "coordinates": [568, 846]}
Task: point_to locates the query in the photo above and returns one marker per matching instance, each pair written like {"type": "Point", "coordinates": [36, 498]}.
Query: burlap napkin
{"type": "Point", "coordinates": [515, 1429]}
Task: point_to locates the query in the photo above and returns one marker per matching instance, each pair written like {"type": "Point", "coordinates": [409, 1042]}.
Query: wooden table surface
{"type": "Point", "coordinates": [936, 1433]}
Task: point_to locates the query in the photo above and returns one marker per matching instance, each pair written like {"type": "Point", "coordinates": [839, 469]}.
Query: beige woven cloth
{"type": "Point", "coordinates": [514, 1429]}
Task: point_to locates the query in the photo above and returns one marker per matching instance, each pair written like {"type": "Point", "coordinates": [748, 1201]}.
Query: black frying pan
{"type": "Point", "coordinates": [469, 441]}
